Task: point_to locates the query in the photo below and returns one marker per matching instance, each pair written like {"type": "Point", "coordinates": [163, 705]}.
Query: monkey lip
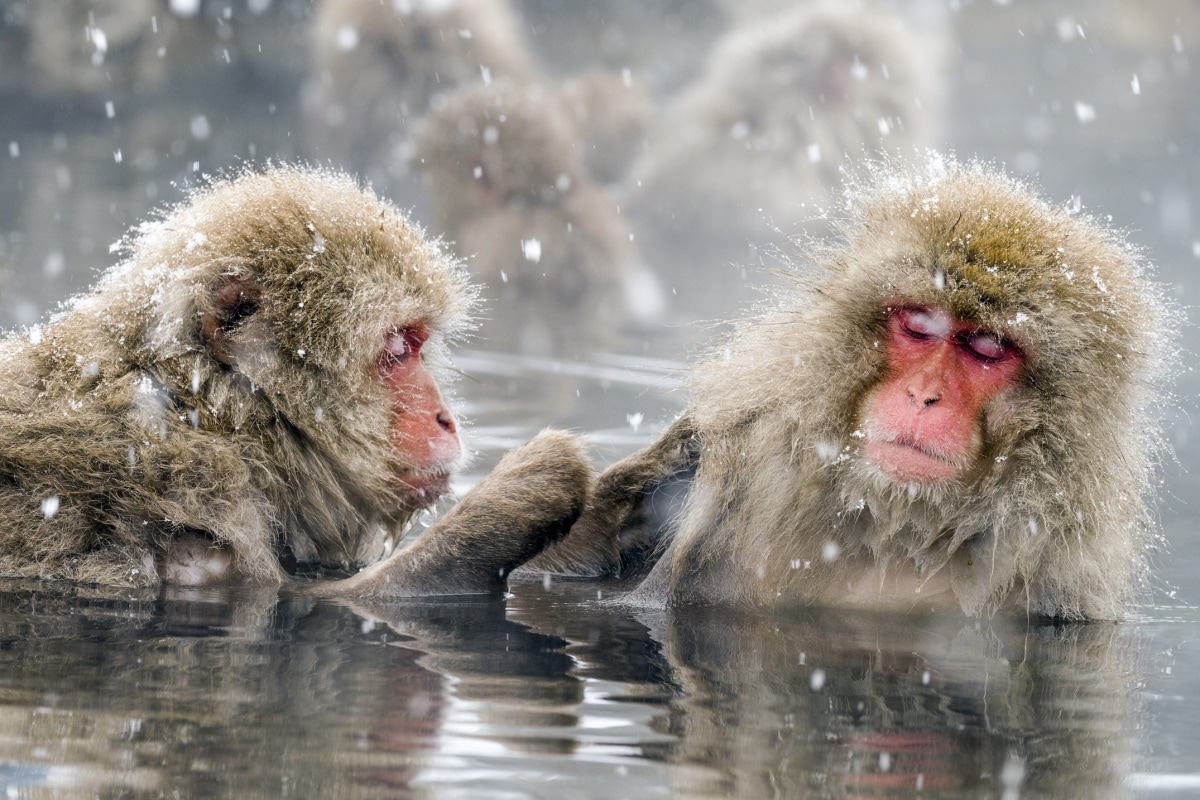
{"type": "Point", "coordinates": [908, 461]}
{"type": "Point", "coordinates": [426, 485]}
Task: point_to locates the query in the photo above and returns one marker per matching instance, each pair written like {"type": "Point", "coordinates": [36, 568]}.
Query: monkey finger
{"type": "Point", "coordinates": [632, 501]}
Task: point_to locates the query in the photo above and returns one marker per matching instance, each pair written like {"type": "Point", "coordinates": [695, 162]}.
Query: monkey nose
{"type": "Point", "coordinates": [924, 399]}
{"type": "Point", "coordinates": [446, 420]}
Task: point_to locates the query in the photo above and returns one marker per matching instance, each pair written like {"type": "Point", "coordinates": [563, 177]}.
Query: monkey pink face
{"type": "Point", "coordinates": [923, 422]}
{"type": "Point", "coordinates": [423, 429]}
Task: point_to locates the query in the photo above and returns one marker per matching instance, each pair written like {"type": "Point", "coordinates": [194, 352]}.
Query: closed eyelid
{"type": "Point", "coordinates": [988, 345]}
{"type": "Point", "coordinates": [922, 323]}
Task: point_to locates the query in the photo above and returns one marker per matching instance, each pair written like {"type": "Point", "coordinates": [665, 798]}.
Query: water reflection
{"type": "Point", "coordinates": [243, 696]}
{"type": "Point", "coordinates": [251, 695]}
{"type": "Point", "coordinates": [838, 704]}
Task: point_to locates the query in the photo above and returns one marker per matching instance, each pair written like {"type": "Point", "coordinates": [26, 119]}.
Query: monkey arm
{"type": "Point", "coordinates": [632, 503]}
{"type": "Point", "coordinates": [530, 499]}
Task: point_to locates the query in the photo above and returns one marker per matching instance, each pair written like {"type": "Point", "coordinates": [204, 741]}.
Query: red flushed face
{"type": "Point", "coordinates": [923, 422]}
{"type": "Point", "coordinates": [423, 429]}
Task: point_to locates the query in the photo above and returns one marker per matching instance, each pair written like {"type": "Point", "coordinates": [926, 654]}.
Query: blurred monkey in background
{"type": "Point", "coordinates": [612, 116]}
{"type": "Point", "coordinates": [509, 188]}
{"type": "Point", "coordinates": [379, 67]}
{"type": "Point", "coordinates": [752, 149]}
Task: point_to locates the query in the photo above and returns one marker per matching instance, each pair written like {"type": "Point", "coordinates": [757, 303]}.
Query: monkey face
{"type": "Point", "coordinates": [424, 429]}
{"type": "Point", "coordinates": [923, 423]}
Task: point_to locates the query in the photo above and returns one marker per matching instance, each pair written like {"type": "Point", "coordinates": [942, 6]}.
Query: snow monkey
{"type": "Point", "coordinates": [957, 408]}
{"type": "Point", "coordinates": [733, 162]}
{"type": "Point", "coordinates": [250, 393]}
{"type": "Point", "coordinates": [510, 190]}
{"type": "Point", "coordinates": [380, 67]}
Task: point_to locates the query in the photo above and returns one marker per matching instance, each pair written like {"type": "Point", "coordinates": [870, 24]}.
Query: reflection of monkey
{"type": "Point", "coordinates": [953, 411]}
{"type": "Point", "coordinates": [766, 129]}
{"type": "Point", "coordinates": [250, 386]}
{"type": "Point", "coordinates": [512, 193]}
{"type": "Point", "coordinates": [838, 703]}
{"type": "Point", "coordinates": [380, 67]}
{"type": "Point", "coordinates": [852, 705]}
{"type": "Point", "coordinates": [239, 693]}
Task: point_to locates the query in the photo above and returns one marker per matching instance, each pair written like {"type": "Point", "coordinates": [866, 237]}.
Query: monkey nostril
{"type": "Point", "coordinates": [446, 420]}
{"type": "Point", "coordinates": [923, 399]}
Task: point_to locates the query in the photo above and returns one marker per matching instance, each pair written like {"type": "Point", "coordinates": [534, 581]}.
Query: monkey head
{"type": "Point", "coordinates": [298, 309]}
{"type": "Point", "coordinates": [1014, 354]}
{"type": "Point", "coordinates": [491, 145]}
{"type": "Point", "coordinates": [968, 385]}
{"type": "Point", "coordinates": [999, 325]}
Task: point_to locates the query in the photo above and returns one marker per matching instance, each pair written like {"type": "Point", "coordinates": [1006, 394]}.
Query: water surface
{"type": "Point", "coordinates": [552, 693]}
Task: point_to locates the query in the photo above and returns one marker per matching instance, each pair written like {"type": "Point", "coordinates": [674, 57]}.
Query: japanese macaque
{"type": "Point", "coordinates": [753, 148]}
{"type": "Point", "coordinates": [957, 409]}
{"type": "Point", "coordinates": [77, 47]}
{"type": "Point", "coordinates": [251, 393]}
{"type": "Point", "coordinates": [663, 43]}
{"type": "Point", "coordinates": [379, 67]}
{"type": "Point", "coordinates": [509, 189]}
{"type": "Point", "coordinates": [611, 114]}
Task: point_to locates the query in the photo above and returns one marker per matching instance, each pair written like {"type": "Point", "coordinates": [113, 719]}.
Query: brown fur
{"type": "Point", "coordinates": [503, 172]}
{"type": "Point", "coordinates": [611, 114]}
{"type": "Point", "coordinates": [755, 145]}
{"type": "Point", "coordinates": [218, 391]}
{"type": "Point", "coordinates": [1052, 519]}
{"type": "Point", "coordinates": [379, 67]}
{"type": "Point", "coordinates": [532, 497]}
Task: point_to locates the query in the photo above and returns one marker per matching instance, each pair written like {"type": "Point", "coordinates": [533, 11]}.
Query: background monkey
{"type": "Point", "coordinates": [955, 410]}
{"type": "Point", "coordinates": [611, 115]}
{"type": "Point", "coordinates": [248, 389]}
{"type": "Point", "coordinates": [512, 192]}
{"type": "Point", "coordinates": [751, 151]}
{"type": "Point", "coordinates": [378, 68]}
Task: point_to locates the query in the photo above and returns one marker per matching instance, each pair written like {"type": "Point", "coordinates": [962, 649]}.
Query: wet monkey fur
{"type": "Point", "coordinates": [252, 389]}
{"type": "Point", "coordinates": [958, 407]}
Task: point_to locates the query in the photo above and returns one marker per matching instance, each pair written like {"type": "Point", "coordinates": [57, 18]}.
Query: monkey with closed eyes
{"type": "Point", "coordinates": [957, 407]}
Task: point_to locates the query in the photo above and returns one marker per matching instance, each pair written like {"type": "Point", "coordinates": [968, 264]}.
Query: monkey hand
{"type": "Point", "coordinates": [632, 502]}
{"type": "Point", "coordinates": [529, 501]}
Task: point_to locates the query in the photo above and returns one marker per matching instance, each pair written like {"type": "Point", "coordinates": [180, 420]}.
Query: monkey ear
{"type": "Point", "coordinates": [233, 301]}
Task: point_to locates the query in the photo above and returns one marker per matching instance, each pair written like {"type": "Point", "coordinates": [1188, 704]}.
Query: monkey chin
{"type": "Point", "coordinates": [909, 463]}
{"type": "Point", "coordinates": [423, 487]}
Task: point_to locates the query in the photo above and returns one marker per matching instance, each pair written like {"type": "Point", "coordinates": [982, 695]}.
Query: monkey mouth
{"type": "Point", "coordinates": [909, 461]}
{"type": "Point", "coordinates": [425, 486]}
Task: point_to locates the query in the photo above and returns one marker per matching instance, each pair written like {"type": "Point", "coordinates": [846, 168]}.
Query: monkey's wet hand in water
{"type": "Point", "coordinates": [530, 500]}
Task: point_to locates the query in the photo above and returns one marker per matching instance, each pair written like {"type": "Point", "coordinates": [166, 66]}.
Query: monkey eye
{"type": "Point", "coordinates": [403, 344]}
{"type": "Point", "coordinates": [987, 346]}
{"type": "Point", "coordinates": [922, 323]}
